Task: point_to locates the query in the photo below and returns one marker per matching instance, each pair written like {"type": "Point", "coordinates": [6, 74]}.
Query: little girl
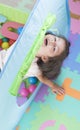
{"type": "Point", "coordinates": [47, 62]}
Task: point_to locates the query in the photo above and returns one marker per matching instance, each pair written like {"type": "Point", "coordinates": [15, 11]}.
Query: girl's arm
{"type": "Point", "coordinates": [55, 88]}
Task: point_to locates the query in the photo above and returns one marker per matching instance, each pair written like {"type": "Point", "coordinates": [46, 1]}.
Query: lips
{"type": "Point", "coordinates": [45, 42]}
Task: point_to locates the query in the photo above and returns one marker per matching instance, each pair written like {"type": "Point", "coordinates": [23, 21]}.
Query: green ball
{"type": "Point", "coordinates": [5, 39]}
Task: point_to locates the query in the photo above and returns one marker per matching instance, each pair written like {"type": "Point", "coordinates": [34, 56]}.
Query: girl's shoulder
{"type": "Point", "coordinates": [34, 66]}
{"type": "Point", "coordinates": [33, 70]}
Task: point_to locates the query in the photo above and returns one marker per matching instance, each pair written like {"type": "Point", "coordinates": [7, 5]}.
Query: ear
{"type": "Point", "coordinates": [44, 58]}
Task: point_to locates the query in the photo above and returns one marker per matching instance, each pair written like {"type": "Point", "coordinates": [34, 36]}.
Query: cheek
{"type": "Point", "coordinates": [48, 50]}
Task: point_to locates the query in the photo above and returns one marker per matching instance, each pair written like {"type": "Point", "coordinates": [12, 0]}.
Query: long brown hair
{"type": "Point", "coordinates": [51, 68]}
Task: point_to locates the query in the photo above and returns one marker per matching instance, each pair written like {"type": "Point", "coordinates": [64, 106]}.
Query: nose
{"type": "Point", "coordinates": [52, 42]}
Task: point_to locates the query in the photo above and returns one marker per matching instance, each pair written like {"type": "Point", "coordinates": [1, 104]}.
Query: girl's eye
{"type": "Point", "coordinates": [54, 48]}
{"type": "Point", "coordinates": [55, 39]}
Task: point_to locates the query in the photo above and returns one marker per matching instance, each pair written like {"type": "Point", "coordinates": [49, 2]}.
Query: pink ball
{"type": "Point", "coordinates": [0, 48]}
{"type": "Point", "coordinates": [32, 88]}
{"type": "Point", "coordinates": [24, 92]}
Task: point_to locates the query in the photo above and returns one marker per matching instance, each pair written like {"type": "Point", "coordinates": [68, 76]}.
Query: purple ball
{"type": "Point", "coordinates": [24, 92]}
{"type": "Point", "coordinates": [32, 88]}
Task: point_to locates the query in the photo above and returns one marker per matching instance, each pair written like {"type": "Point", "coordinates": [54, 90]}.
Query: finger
{"type": "Point", "coordinates": [59, 92]}
{"type": "Point", "coordinates": [54, 92]}
{"type": "Point", "coordinates": [62, 90]}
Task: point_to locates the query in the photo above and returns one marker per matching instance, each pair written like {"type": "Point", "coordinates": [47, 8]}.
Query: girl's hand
{"type": "Point", "coordinates": [55, 88]}
{"type": "Point", "coordinates": [58, 90]}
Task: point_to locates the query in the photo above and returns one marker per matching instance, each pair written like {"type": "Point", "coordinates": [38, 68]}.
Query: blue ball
{"type": "Point", "coordinates": [19, 30]}
{"type": "Point", "coordinates": [32, 80]}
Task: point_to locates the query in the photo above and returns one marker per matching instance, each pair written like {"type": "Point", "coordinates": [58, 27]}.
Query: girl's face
{"type": "Point", "coordinates": [51, 46]}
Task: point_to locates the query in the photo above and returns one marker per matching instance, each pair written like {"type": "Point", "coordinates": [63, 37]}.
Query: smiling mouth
{"type": "Point", "coordinates": [45, 42]}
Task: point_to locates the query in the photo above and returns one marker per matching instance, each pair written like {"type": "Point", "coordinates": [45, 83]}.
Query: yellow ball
{"type": "Point", "coordinates": [5, 45]}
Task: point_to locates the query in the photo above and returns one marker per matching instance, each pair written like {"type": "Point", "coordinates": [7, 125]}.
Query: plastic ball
{"type": "Point", "coordinates": [32, 88]}
{"type": "Point", "coordinates": [22, 85]}
{"type": "Point", "coordinates": [5, 45]}
{"type": "Point", "coordinates": [1, 42]}
{"type": "Point", "coordinates": [5, 39]}
{"type": "Point", "coordinates": [32, 80]}
{"type": "Point", "coordinates": [0, 48]}
{"type": "Point", "coordinates": [24, 92]}
{"type": "Point", "coordinates": [3, 19]}
{"type": "Point", "coordinates": [11, 41]}
{"type": "Point", "coordinates": [19, 30]}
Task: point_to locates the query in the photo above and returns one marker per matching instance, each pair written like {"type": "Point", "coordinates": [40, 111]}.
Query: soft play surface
{"type": "Point", "coordinates": [48, 111]}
